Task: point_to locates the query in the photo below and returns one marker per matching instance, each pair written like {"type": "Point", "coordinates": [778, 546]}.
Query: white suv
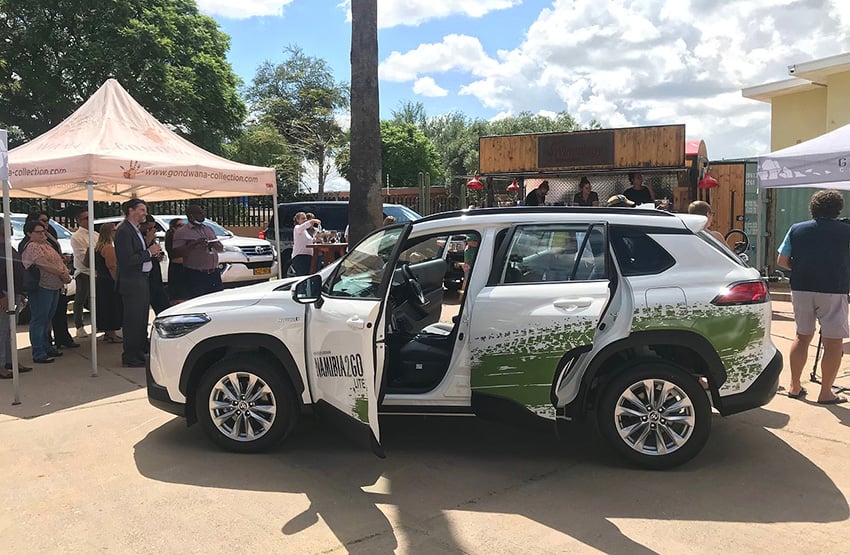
{"type": "Point", "coordinates": [244, 259]}
{"type": "Point", "coordinates": [637, 318]}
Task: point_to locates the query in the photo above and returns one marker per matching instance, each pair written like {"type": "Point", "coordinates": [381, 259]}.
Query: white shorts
{"type": "Point", "coordinates": [828, 309]}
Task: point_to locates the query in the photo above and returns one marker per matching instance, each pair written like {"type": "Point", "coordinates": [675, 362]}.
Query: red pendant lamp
{"type": "Point", "coordinates": [474, 185]}
{"type": "Point", "coordinates": [513, 187]}
{"type": "Point", "coordinates": [707, 182]}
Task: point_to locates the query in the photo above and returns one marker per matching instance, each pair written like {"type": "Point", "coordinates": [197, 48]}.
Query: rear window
{"type": "Point", "coordinates": [402, 214]}
{"type": "Point", "coordinates": [558, 253]}
{"type": "Point", "coordinates": [638, 254]}
{"type": "Point", "coordinates": [333, 216]}
{"type": "Point", "coordinates": [722, 248]}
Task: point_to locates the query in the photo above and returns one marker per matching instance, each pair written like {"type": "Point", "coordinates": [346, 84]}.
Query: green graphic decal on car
{"type": "Point", "coordinates": [519, 364]}
{"type": "Point", "coordinates": [361, 409]}
{"type": "Point", "coordinates": [736, 332]}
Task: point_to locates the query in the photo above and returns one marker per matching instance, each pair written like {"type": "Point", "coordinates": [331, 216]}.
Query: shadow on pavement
{"type": "Point", "coordinates": [68, 383]}
{"type": "Point", "coordinates": [434, 465]}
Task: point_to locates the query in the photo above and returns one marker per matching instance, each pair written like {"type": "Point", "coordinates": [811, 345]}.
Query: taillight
{"type": "Point", "coordinates": [262, 234]}
{"type": "Point", "coordinates": [748, 292]}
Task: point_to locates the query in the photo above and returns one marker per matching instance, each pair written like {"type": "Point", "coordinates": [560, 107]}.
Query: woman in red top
{"type": "Point", "coordinates": [43, 300]}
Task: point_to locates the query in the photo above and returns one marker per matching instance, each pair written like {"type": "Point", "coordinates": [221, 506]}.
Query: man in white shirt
{"type": "Point", "coordinates": [80, 245]}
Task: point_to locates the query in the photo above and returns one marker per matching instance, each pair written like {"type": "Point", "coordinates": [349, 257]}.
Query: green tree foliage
{"type": "Point", "coordinates": [456, 136]}
{"type": "Point", "coordinates": [261, 144]}
{"type": "Point", "coordinates": [526, 122]}
{"type": "Point", "coordinates": [301, 99]}
{"type": "Point", "coordinates": [411, 112]}
{"type": "Point", "coordinates": [406, 151]}
{"type": "Point", "coordinates": [54, 54]}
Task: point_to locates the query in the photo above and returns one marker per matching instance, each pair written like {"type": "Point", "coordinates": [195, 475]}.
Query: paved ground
{"type": "Point", "coordinates": [87, 465]}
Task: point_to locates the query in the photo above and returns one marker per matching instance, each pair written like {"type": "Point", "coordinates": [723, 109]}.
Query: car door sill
{"type": "Point", "coordinates": [426, 411]}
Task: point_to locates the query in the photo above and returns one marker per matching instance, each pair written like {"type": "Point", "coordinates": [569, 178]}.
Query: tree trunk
{"type": "Point", "coordinates": [365, 210]}
{"type": "Point", "coordinates": [321, 176]}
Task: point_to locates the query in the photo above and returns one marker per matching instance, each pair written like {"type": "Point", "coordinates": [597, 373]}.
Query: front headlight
{"type": "Point", "coordinates": [232, 248]}
{"type": "Point", "coordinates": [170, 327]}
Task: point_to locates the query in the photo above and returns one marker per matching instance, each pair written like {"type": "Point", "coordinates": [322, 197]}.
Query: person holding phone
{"type": "Point", "coordinates": [198, 246]}
{"type": "Point", "coordinates": [159, 296]}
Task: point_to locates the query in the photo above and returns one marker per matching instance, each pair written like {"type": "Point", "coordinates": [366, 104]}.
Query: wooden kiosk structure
{"type": "Point", "coordinates": [671, 166]}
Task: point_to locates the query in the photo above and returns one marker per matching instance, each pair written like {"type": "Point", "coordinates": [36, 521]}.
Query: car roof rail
{"type": "Point", "coordinates": [547, 210]}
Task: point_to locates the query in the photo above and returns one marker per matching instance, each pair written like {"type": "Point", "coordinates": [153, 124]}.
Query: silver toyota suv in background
{"type": "Point", "coordinates": [244, 259]}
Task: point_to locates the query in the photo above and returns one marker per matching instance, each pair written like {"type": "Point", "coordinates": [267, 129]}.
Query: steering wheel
{"type": "Point", "coordinates": [742, 240]}
{"type": "Point", "coordinates": [411, 280]}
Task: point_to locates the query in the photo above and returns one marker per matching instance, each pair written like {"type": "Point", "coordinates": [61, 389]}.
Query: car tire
{"type": "Point", "coordinates": [259, 383]}
{"type": "Point", "coordinates": [660, 432]}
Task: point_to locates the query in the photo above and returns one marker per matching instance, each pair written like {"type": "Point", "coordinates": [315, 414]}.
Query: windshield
{"type": "Point", "coordinates": [18, 228]}
{"type": "Point", "coordinates": [402, 214]}
{"type": "Point", "coordinates": [219, 231]}
{"type": "Point", "coordinates": [362, 270]}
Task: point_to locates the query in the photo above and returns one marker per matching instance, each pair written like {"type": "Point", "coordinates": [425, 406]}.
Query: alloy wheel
{"type": "Point", "coordinates": [242, 406]}
{"type": "Point", "coordinates": [654, 417]}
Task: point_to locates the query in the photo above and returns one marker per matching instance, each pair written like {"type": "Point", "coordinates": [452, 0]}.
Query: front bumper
{"type": "Point", "coordinates": [242, 272]}
{"type": "Point", "coordinates": [758, 394]}
{"type": "Point", "coordinates": [158, 395]}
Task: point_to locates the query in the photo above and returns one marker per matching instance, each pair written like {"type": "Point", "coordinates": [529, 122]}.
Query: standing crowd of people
{"type": "Point", "coordinates": [127, 275]}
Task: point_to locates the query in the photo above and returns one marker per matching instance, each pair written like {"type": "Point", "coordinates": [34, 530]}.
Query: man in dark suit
{"type": "Point", "coordinates": [134, 265]}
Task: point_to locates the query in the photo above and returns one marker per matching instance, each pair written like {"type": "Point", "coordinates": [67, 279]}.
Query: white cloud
{"type": "Point", "coordinates": [455, 52]}
{"type": "Point", "coordinates": [426, 86]}
{"type": "Point", "coordinates": [643, 62]}
{"type": "Point", "coordinates": [333, 181]}
{"type": "Point", "coordinates": [242, 9]}
{"type": "Point", "coordinates": [392, 13]}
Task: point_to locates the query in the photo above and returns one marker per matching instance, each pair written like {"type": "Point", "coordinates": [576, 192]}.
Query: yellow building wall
{"type": "Point", "coordinates": [838, 101]}
{"type": "Point", "coordinates": [797, 117]}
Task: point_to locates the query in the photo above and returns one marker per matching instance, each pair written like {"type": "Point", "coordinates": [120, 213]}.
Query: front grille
{"type": "Point", "coordinates": [261, 250]}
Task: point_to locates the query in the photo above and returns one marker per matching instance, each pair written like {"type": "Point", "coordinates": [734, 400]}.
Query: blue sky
{"type": "Point", "coordinates": [624, 63]}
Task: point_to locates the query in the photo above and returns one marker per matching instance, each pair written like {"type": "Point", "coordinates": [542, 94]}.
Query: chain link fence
{"type": "Point", "coordinates": [563, 189]}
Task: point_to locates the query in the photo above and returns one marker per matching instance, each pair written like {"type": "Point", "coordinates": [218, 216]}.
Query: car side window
{"type": "Point", "coordinates": [557, 253]}
{"type": "Point", "coordinates": [638, 254]}
{"type": "Point", "coordinates": [429, 248]}
{"type": "Point", "coordinates": [334, 216]}
{"type": "Point", "coordinates": [361, 271]}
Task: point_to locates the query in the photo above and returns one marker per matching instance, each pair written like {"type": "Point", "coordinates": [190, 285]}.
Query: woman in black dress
{"type": "Point", "coordinates": [109, 307]}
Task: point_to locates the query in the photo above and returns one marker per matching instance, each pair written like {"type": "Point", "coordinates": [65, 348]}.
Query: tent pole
{"type": "Point", "coordinates": [275, 215]}
{"type": "Point", "coordinates": [10, 293]}
{"type": "Point", "coordinates": [92, 281]}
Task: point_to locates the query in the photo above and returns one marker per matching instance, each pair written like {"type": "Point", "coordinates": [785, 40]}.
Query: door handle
{"type": "Point", "coordinates": [580, 302]}
{"type": "Point", "coordinates": [356, 323]}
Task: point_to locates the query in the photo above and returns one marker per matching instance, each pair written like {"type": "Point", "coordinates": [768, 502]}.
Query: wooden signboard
{"type": "Point", "coordinates": [598, 149]}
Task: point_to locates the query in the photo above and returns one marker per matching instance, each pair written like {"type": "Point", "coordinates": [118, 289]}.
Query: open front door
{"type": "Point", "coordinates": [344, 337]}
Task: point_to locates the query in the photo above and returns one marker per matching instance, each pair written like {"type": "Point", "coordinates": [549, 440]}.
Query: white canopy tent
{"type": "Point", "coordinates": [820, 162]}
{"type": "Point", "coordinates": [112, 149]}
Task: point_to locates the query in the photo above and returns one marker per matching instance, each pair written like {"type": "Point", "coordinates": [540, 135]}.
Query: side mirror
{"type": "Point", "coordinates": [308, 291]}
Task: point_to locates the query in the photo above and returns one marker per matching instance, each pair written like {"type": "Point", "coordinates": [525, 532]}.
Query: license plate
{"type": "Point", "coordinates": [262, 271]}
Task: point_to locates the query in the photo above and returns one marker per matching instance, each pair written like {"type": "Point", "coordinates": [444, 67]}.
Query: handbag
{"type": "Point", "coordinates": [32, 276]}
